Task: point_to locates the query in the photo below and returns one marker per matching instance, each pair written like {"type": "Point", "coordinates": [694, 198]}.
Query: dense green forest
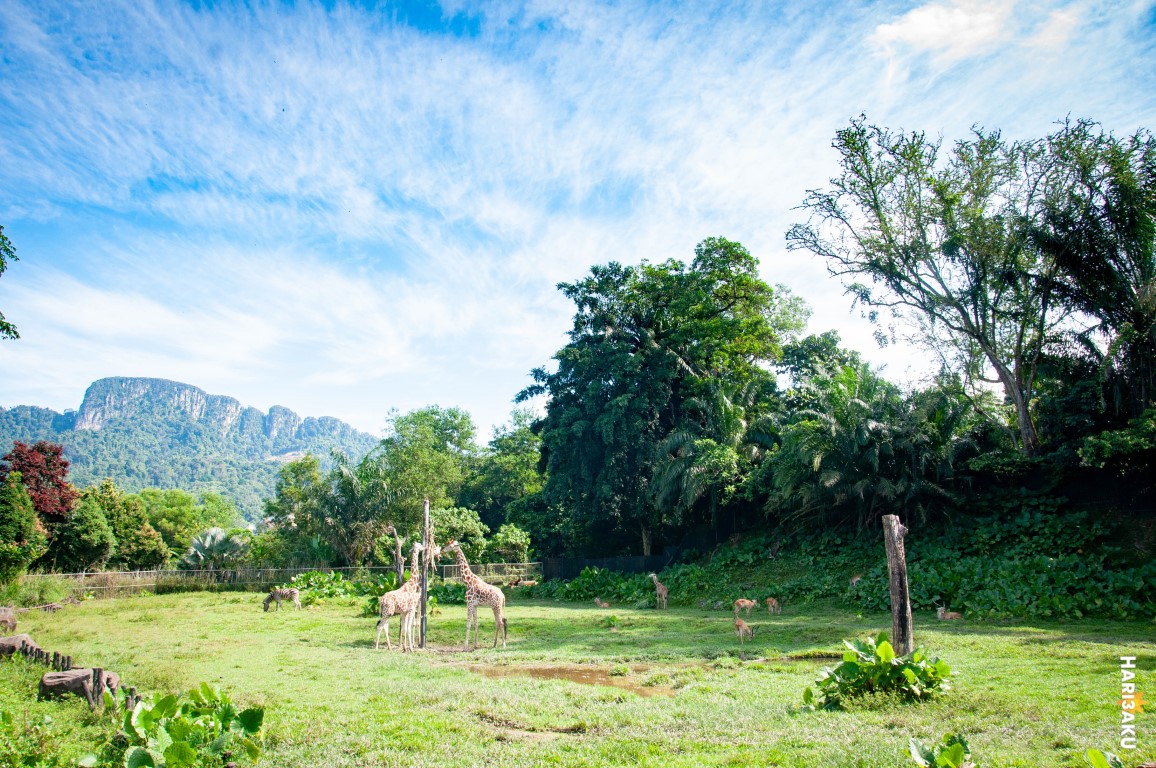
{"type": "Point", "coordinates": [690, 406]}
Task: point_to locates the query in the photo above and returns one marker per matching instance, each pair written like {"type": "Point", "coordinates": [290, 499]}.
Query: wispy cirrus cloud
{"type": "Point", "coordinates": [346, 210]}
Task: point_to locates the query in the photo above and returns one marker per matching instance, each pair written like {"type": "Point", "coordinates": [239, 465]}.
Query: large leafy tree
{"type": "Point", "coordinates": [179, 516]}
{"type": "Point", "coordinates": [425, 454]}
{"type": "Point", "coordinates": [84, 541]}
{"type": "Point", "coordinates": [22, 538]}
{"type": "Point", "coordinates": [138, 544]}
{"type": "Point", "coordinates": [44, 473]}
{"type": "Point", "coordinates": [645, 341]}
{"type": "Point", "coordinates": [1099, 226]}
{"type": "Point", "coordinates": [7, 254]}
{"type": "Point", "coordinates": [945, 244]}
{"type": "Point", "coordinates": [504, 477]}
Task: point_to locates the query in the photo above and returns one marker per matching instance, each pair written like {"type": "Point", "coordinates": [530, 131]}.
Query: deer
{"type": "Point", "coordinates": [773, 606]}
{"type": "Point", "coordinates": [601, 603]}
{"type": "Point", "coordinates": [943, 614]}
{"type": "Point", "coordinates": [744, 630]}
{"type": "Point", "coordinates": [742, 604]}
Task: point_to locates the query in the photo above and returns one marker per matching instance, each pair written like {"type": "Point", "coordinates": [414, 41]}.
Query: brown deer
{"type": "Point", "coordinates": [742, 604]}
{"type": "Point", "coordinates": [773, 606]}
{"type": "Point", "coordinates": [856, 579]}
{"type": "Point", "coordinates": [744, 630]}
{"type": "Point", "coordinates": [601, 603]}
{"type": "Point", "coordinates": [943, 614]}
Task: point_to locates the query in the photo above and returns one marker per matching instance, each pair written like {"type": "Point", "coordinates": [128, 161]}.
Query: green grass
{"type": "Point", "coordinates": [1027, 693]}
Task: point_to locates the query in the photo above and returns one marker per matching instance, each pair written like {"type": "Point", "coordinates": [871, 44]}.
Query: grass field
{"type": "Point", "coordinates": [673, 689]}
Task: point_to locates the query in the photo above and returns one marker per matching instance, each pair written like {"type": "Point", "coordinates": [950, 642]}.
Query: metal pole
{"type": "Point", "coordinates": [424, 567]}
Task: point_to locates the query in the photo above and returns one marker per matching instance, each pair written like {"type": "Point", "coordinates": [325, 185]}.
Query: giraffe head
{"type": "Point", "coordinates": [452, 546]}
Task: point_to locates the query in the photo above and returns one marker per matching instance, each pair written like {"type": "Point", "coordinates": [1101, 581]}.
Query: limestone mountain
{"type": "Point", "coordinates": [155, 433]}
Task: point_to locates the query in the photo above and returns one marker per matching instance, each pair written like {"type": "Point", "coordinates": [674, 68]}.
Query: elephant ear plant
{"type": "Point", "coordinates": [871, 666]}
{"type": "Point", "coordinates": [203, 730]}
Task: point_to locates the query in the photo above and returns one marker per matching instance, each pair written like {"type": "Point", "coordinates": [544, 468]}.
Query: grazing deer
{"type": "Point", "coordinates": [742, 604]}
{"type": "Point", "coordinates": [744, 630]}
{"type": "Point", "coordinates": [601, 603]}
{"type": "Point", "coordinates": [856, 579]}
{"type": "Point", "coordinates": [660, 592]}
{"type": "Point", "coordinates": [943, 614]}
{"type": "Point", "coordinates": [773, 606]}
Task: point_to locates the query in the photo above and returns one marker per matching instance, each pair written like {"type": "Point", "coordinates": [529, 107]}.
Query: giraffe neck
{"type": "Point", "coordinates": [467, 575]}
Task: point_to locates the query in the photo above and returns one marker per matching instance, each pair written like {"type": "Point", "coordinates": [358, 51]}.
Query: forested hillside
{"type": "Point", "coordinates": [154, 433]}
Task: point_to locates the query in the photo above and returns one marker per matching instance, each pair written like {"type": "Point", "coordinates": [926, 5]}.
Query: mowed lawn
{"type": "Point", "coordinates": [674, 689]}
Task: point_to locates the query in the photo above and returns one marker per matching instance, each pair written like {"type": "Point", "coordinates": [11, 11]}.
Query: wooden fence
{"type": "Point", "coordinates": [103, 583]}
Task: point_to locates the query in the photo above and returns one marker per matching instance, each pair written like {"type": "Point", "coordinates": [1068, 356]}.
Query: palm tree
{"type": "Point", "coordinates": [213, 549]}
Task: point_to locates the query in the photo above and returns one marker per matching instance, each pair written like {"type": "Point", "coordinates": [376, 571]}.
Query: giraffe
{"type": "Point", "coordinates": [403, 602]}
{"type": "Point", "coordinates": [660, 592]}
{"type": "Point", "coordinates": [478, 593]}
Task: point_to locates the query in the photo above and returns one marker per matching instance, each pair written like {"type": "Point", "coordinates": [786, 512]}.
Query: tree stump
{"type": "Point", "coordinates": [902, 639]}
{"type": "Point", "coordinates": [15, 644]}
{"type": "Point", "coordinates": [76, 681]}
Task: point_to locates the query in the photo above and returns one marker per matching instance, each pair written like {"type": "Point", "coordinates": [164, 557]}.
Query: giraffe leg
{"type": "Point", "coordinates": [472, 619]}
{"type": "Point", "coordinates": [499, 626]}
{"type": "Point", "coordinates": [388, 642]}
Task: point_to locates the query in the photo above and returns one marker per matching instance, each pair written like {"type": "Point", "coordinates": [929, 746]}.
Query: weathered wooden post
{"type": "Point", "coordinates": [425, 538]}
{"type": "Point", "coordinates": [901, 633]}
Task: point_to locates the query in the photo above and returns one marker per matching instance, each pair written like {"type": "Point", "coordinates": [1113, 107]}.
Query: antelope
{"type": "Point", "coordinates": [943, 614]}
{"type": "Point", "coordinates": [773, 606]}
{"type": "Point", "coordinates": [742, 604]}
{"type": "Point", "coordinates": [744, 630]}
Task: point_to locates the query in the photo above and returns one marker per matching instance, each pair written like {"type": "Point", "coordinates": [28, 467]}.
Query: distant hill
{"type": "Point", "coordinates": [154, 433]}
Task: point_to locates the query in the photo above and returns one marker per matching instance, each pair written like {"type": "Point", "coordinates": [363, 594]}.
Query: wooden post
{"type": "Point", "coordinates": [901, 632]}
{"type": "Point", "coordinates": [427, 543]}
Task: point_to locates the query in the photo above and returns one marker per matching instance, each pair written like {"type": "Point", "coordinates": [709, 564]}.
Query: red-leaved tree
{"type": "Point", "coordinates": [44, 473]}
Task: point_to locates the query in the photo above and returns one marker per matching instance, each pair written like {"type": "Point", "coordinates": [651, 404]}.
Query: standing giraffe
{"type": "Point", "coordinates": [478, 593]}
{"type": "Point", "coordinates": [660, 592]}
{"type": "Point", "coordinates": [403, 602]}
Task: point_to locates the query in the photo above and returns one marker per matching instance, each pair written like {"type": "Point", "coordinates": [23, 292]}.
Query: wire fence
{"type": "Point", "coordinates": [112, 583]}
{"type": "Point", "coordinates": [505, 574]}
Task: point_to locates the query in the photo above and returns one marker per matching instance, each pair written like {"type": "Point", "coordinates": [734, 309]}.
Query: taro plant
{"type": "Point", "coordinates": [1098, 759]}
{"type": "Point", "coordinates": [952, 751]}
{"type": "Point", "coordinates": [204, 730]}
{"type": "Point", "coordinates": [870, 666]}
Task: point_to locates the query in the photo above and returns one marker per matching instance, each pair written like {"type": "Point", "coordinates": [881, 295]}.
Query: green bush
{"type": "Point", "coordinates": [204, 730]}
{"type": "Point", "coordinates": [870, 666]}
{"type": "Point", "coordinates": [951, 752]}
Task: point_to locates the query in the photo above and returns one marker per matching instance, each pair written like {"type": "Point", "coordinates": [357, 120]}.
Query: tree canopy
{"type": "Point", "coordinates": [647, 340]}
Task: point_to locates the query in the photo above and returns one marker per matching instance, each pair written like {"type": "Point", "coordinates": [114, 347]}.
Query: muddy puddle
{"type": "Point", "coordinates": [580, 674]}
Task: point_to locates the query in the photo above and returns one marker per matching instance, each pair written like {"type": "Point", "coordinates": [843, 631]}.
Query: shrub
{"type": "Point", "coordinates": [870, 666]}
{"type": "Point", "coordinates": [38, 590]}
{"type": "Point", "coordinates": [951, 752]}
{"type": "Point", "coordinates": [204, 730]}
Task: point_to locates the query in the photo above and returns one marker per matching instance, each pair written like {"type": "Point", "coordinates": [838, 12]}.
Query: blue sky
{"type": "Point", "coordinates": [347, 208]}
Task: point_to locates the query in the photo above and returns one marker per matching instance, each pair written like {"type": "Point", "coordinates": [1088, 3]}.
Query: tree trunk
{"type": "Point", "coordinates": [901, 630]}
{"type": "Point", "coordinates": [645, 540]}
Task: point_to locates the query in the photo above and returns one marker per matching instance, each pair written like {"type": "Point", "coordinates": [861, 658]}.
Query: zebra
{"type": "Point", "coordinates": [284, 593]}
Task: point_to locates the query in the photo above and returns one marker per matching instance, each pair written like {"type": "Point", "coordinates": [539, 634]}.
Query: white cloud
{"type": "Point", "coordinates": [329, 211]}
